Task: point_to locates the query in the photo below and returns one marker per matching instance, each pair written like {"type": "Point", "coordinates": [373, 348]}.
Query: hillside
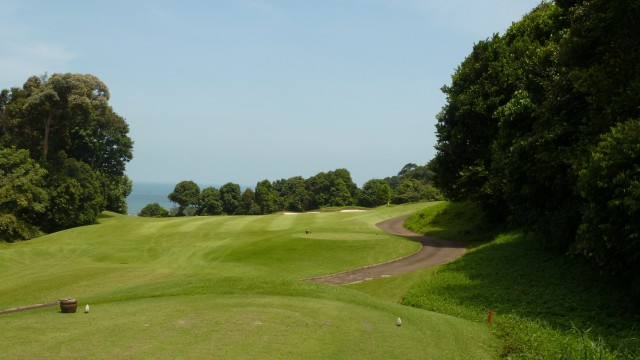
{"type": "Point", "coordinates": [229, 287]}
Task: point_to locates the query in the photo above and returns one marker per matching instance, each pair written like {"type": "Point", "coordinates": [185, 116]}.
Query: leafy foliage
{"type": "Point", "coordinates": [266, 197]}
{"type": "Point", "coordinates": [22, 195]}
{"type": "Point", "coordinates": [186, 193]}
{"type": "Point", "coordinates": [524, 111]}
{"type": "Point", "coordinates": [230, 195]}
{"type": "Point", "coordinates": [375, 192]}
{"type": "Point", "coordinates": [209, 202]}
{"type": "Point", "coordinates": [610, 185]}
{"type": "Point", "coordinates": [74, 192]}
{"type": "Point", "coordinates": [153, 210]}
{"type": "Point", "coordinates": [66, 125]}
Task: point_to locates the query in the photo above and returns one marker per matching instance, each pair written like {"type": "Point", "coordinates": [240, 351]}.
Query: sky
{"type": "Point", "coordinates": [246, 90]}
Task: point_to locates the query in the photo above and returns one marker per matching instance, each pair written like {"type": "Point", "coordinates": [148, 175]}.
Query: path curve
{"type": "Point", "coordinates": [433, 252]}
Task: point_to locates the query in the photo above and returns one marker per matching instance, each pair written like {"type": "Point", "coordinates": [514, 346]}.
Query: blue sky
{"type": "Point", "coordinates": [245, 90]}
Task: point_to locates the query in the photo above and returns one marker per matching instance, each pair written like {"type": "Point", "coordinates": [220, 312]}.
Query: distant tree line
{"type": "Point", "coordinates": [541, 127]}
{"type": "Point", "coordinates": [325, 189]}
{"type": "Point", "coordinates": [63, 152]}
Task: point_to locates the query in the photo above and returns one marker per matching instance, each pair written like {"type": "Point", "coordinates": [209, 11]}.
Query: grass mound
{"type": "Point", "coordinates": [463, 222]}
{"type": "Point", "coordinates": [219, 287]}
{"type": "Point", "coordinates": [546, 306]}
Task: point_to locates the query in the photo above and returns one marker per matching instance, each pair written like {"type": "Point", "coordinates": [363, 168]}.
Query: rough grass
{"type": "Point", "coordinates": [219, 287]}
{"type": "Point", "coordinates": [460, 221]}
{"type": "Point", "coordinates": [546, 306]}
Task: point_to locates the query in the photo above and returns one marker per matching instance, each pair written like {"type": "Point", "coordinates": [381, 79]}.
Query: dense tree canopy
{"type": "Point", "coordinates": [153, 210]}
{"type": "Point", "coordinates": [68, 130]}
{"type": "Point", "coordinates": [266, 197]}
{"type": "Point", "coordinates": [527, 127]}
{"type": "Point", "coordinates": [329, 189]}
{"type": "Point", "coordinates": [209, 202]}
{"type": "Point", "coordinates": [22, 194]}
{"type": "Point", "coordinates": [185, 194]}
{"type": "Point", "coordinates": [231, 196]}
{"type": "Point", "coordinates": [375, 192]}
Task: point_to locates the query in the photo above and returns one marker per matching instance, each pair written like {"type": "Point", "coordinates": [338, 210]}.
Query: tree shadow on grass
{"type": "Point", "coordinates": [514, 275]}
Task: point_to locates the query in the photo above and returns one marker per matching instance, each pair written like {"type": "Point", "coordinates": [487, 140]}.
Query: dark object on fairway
{"type": "Point", "coordinates": [68, 305]}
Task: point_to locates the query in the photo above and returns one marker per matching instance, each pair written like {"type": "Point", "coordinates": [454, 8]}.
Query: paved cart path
{"type": "Point", "coordinates": [433, 252]}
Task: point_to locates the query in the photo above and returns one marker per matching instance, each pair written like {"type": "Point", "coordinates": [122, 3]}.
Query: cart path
{"type": "Point", "coordinates": [433, 252]}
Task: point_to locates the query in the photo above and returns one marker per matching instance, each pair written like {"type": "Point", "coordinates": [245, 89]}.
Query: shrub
{"type": "Point", "coordinates": [153, 210]}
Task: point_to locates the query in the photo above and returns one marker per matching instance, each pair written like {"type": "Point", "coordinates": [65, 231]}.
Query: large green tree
{"type": "Point", "coordinates": [266, 197]}
{"type": "Point", "coordinates": [186, 193]}
{"type": "Point", "coordinates": [609, 182]}
{"type": "Point", "coordinates": [375, 192]}
{"type": "Point", "coordinates": [248, 204]}
{"type": "Point", "coordinates": [209, 202]}
{"type": "Point", "coordinates": [231, 195]}
{"type": "Point", "coordinates": [22, 195]}
{"type": "Point", "coordinates": [74, 193]}
{"type": "Point", "coordinates": [333, 188]}
{"type": "Point", "coordinates": [292, 194]}
{"type": "Point", "coordinates": [67, 117]}
{"type": "Point", "coordinates": [522, 130]}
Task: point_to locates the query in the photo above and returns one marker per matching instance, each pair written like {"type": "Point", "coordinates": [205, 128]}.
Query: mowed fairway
{"type": "Point", "coordinates": [219, 287]}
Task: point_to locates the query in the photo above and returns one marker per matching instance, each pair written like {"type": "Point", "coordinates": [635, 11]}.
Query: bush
{"type": "Point", "coordinates": [153, 210]}
{"type": "Point", "coordinates": [609, 234]}
{"type": "Point", "coordinates": [12, 229]}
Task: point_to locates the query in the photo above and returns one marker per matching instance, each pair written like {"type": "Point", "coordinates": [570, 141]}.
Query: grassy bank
{"type": "Point", "coordinates": [546, 306]}
{"type": "Point", "coordinates": [220, 287]}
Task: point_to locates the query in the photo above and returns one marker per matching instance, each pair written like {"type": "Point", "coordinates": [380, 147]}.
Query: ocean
{"type": "Point", "coordinates": [144, 193]}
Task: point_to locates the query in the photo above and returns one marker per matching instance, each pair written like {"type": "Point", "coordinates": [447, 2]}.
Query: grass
{"type": "Point", "coordinates": [220, 287]}
{"type": "Point", "coordinates": [463, 222]}
{"type": "Point", "coordinates": [546, 306]}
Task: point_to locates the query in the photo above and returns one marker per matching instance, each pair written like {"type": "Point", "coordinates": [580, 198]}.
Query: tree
{"type": "Point", "coordinates": [334, 188]}
{"type": "Point", "coordinates": [339, 195]}
{"type": "Point", "coordinates": [62, 120]}
{"type": "Point", "coordinates": [153, 210]}
{"type": "Point", "coordinates": [266, 197]}
{"type": "Point", "coordinates": [609, 182]}
{"type": "Point", "coordinates": [248, 205]}
{"type": "Point", "coordinates": [409, 190]}
{"type": "Point", "coordinates": [466, 128]}
{"type": "Point", "coordinates": [57, 104]}
{"type": "Point", "coordinates": [74, 193]}
{"type": "Point", "coordinates": [185, 194]}
{"type": "Point", "coordinates": [230, 195]}
{"type": "Point", "coordinates": [409, 167]}
{"type": "Point", "coordinates": [318, 187]}
{"type": "Point", "coordinates": [375, 192]}
{"type": "Point", "coordinates": [209, 202]}
{"type": "Point", "coordinates": [292, 194]}
{"type": "Point", "coordinates": [22, 195]}
{"type": "Point", "coordinates": [115, 190]}
{"type": "Point", "coordinates": [70, 113]}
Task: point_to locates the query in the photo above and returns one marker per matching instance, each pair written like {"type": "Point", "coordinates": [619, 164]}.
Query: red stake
{"type": "Point", "coordinates": [490, 319]}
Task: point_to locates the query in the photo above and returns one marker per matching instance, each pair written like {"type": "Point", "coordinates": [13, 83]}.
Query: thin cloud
{"type": "Point", "coordinates": [470, 17]}
{"type": "Point", "coordinates": [45, 52]}
{"type": "Point", "coordinates": [19, 61]}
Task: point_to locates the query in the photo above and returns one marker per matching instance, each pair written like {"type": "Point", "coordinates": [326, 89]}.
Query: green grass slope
{"type": "Point", "coordinates": [546, 306]}
{"type": "Point", "coordinates": [219, 287]}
